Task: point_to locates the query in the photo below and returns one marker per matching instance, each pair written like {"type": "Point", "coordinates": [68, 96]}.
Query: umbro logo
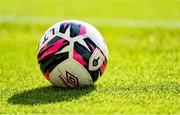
{"type": "Point", "coordinates": [69, 80]}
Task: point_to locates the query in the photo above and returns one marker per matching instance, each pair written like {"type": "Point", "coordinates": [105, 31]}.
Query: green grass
{"type": "Point", "coordinates": [143, 74]}
{"type": "Point", "coordinates": [138, 9]}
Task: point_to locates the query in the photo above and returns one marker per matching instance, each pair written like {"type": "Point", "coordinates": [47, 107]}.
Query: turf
{"type": "Point", "coordinates": [143, 68]}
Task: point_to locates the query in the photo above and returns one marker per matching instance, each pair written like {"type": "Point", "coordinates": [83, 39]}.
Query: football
{"type": "Point", "coordinates": [72, 53]}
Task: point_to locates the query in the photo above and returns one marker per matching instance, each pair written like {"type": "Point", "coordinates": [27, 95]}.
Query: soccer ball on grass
{"type": "Point", "coordinates": [72, 54]}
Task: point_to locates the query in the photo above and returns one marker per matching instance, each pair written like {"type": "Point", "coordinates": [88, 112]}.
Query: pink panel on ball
{"type": "Point", "coordinates": [82, 30]}
{"type": "Point", "coordinates": [79, 58]}
{"type": "Point", "coordinates": [54, 47]}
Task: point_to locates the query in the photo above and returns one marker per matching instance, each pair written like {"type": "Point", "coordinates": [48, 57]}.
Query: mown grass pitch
{"type": "Point", "coordinates": [143, 74]}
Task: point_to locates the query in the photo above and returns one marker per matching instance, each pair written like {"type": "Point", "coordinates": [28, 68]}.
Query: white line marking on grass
{"type": "Point", "coordinates": [128, 23]}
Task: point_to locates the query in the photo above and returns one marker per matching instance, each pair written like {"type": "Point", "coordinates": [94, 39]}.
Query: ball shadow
{"type": "Point", "coordinates": [49, 94]}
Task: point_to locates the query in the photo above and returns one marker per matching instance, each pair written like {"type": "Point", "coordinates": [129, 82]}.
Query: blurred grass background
{"type": "Point", "coordinates": [144, 61]}
{"type": "Point", "coordinates": [113, 9]}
